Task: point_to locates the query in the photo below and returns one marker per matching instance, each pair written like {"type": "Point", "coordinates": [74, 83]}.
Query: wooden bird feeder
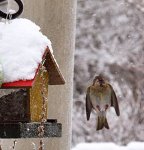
{"type": "Point", "coordinates": [21, 108]}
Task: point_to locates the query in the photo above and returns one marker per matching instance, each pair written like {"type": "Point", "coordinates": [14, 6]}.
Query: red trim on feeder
{"type": "Point", "coordinates": [24, 83]}
{"type": "Point", "coordinates": [21, 83]}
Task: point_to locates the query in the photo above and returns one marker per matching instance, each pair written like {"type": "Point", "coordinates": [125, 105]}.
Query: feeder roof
{"type": "Point", "coordinates": [55, 76]}
{"type": "Point", "coordinates": [22, 48]}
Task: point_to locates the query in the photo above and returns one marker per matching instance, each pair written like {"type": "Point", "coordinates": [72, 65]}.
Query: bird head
{"type": "Point", "coordinates": [99, 80]}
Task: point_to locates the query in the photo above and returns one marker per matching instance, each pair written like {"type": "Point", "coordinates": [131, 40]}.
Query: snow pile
{"type": "Point", "coordinates": [136, 146]}
{"type": "Point", "coordinates": [21, 49]}
{"type": "Point", "coordinates": [109, 146]}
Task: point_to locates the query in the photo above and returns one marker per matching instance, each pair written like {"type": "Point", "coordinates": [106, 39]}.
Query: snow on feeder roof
{"type": "Point", "coordinates": [22, 48]}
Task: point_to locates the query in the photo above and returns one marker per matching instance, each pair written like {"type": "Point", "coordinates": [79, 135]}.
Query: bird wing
{"type": "Point", "coordinates": [88, 104]}
{"type": "Point", "coordinates": [114, 101]}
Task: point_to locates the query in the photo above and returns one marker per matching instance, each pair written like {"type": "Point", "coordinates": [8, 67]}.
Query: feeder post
{"type": "Point", "coordinates": [59, 26]}
{"type": "Point", "coordinates": [57, 19]}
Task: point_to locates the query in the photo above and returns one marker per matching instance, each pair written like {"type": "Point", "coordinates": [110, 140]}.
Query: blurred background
{"type": "Point", "coordinates": [110, 41]}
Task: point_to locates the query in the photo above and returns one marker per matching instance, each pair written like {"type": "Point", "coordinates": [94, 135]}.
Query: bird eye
{"type": "Point", "coordinates": [98, 107]}
{"type": "Point", "coordinates": [106, 106]}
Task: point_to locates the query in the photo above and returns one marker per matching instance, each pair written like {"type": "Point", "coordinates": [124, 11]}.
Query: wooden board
{"type": "Point", "coordinates": [36, 101]}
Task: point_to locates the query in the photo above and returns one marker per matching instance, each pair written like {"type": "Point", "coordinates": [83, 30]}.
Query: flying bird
{"type": "Point", "coordinates": [100, 97]}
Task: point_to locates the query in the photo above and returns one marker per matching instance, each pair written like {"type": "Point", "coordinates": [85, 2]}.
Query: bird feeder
{"type": "Point", "coordinates": [21, 108]}
{"type": "Point", "coordinates": [23, 93]}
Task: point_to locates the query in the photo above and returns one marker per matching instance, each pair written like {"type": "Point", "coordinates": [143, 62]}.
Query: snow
{"type": "Point", "coordinates": [136, 146]}
{"type": "Point", "coordinates": [109, 146]}
{"type": "Point", "coordinates": [22, 46]}
{"type": "Point", "coordinates": [1, 74]}
{"type": "Point", "coordinates": [110, 41]}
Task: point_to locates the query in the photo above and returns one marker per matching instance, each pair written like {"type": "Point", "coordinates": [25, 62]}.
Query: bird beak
{"type": "Point", "coordinates": [102, 110]}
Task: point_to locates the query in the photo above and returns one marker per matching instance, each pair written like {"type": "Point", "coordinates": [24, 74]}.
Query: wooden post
{"type": "Point", "coordinates": [59, 25]}
{"type": "Point", "coordinates": [57, 21]}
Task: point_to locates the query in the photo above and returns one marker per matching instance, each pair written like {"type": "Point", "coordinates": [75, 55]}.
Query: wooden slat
{"type": "Point", "coordinates": [36, 102]}
{"type": "Point", "coordinates": [55, 76]}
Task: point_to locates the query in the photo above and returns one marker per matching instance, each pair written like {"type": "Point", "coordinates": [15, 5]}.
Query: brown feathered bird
{"type": "Point", "coordinates": [100, 97]}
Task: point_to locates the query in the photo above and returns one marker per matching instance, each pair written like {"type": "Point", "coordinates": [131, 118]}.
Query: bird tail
{"type": "Point", "coordinates": [102, 122]}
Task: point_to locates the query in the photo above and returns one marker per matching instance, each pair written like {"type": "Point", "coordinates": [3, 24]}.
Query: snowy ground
{"type": "Point", "coordinates": [109, 146]}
